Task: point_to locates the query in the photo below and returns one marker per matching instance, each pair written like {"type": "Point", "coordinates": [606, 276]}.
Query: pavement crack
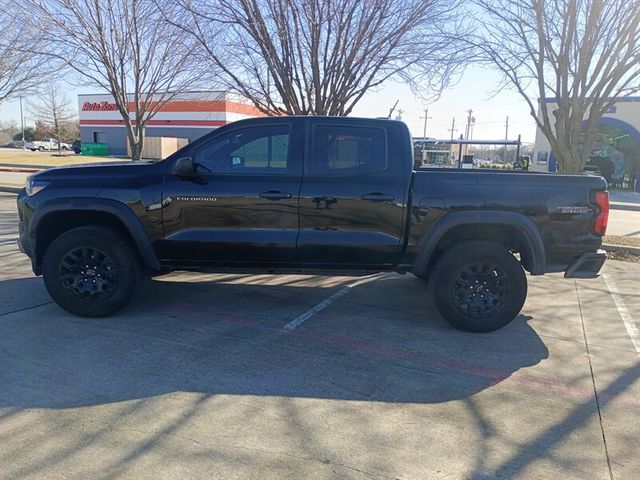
{"type": "Point", "coordinates": [26, 308]}
{"type": "Point", "coordinates": [593, 382]}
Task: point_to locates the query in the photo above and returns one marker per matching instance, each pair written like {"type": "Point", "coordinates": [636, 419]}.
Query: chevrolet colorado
{"type": "Point", "coordinates": [311, 194]}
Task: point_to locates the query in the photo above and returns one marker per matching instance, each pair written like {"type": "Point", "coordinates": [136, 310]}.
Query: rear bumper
{"type": "Point", "coordinates": [588, 265]}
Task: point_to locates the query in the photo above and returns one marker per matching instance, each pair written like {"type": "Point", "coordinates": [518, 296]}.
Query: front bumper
{"type": "Point", "coordinates": [588, 265]}
{"type": "Point", "coordinates": [25, 243]}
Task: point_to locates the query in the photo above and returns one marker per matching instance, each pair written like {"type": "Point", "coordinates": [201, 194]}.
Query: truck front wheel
{"type": "Point", "coordinates": [478, 286]}
{"type": "Point", "coordinates": [90, 271]}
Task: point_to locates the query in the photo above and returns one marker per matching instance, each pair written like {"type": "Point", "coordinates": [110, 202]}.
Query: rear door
{"type": "Point", "coordinates": [243, 209]}
{"type": "Point", "coordinates": [352, 196]}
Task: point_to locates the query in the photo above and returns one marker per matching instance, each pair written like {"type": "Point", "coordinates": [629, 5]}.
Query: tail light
{"type": "Point", "coordinates": [602, 200]}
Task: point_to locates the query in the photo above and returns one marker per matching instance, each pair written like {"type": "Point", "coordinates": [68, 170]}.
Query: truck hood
{"type": "Point", "coordinates": [94, 170]}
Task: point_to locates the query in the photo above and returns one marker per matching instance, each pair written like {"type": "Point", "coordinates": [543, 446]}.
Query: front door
{"type": "Point", "coordinates": [243, 206]}
{"type": "Point", "coordinates": [352, 197]}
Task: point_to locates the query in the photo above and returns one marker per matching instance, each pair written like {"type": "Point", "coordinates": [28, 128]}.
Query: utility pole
{"type": "Point", "coordinates": [424, 132]}
{"type": "Point", "coordinates": [453, 128]}
{"type": "Point", "coordinates": [506, 131]}
{"type": "Point", "coordinates": [470, 120]}
{"type": "Point", "coordinates": [399, 117]}
{"type": "Point", "coordinates": [506, 137]}
{"type": "Point", "coordinates": [469, 117]}
{"type": "Point", "coordinates": [391, 110]}
{"type": "Point", "coordinates": [22, 119]}
{"type": "Point", "coordinates": [425, 118]}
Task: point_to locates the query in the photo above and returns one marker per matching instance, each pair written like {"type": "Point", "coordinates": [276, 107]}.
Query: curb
{"type": "Point", "coordinates": [19, 169]}
{"type": "Point", "coordinates": [9, 188]}
{"type": "Point", "coordinates": [621, 248]}
{"type": "Point", "coordinates": [627, 207]}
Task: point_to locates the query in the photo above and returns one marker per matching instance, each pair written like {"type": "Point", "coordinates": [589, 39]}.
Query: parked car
{"type": "Point", "coordinates": [592, 170]}
{"type": "Point", "coordinates": [47, 144]}
{"type": "Point", "coordinates": [311, 194]}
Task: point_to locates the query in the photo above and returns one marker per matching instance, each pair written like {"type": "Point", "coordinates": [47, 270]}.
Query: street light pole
{"type": "Point", "coordinates": [22, 120]}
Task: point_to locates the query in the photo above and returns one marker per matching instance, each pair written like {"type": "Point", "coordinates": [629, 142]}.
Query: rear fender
{"type": "Point", "coordinates": [524, 225]}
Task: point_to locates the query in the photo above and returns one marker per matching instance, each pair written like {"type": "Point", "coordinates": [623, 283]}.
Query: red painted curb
{"type": "Point", "coordinates": [19, 170]}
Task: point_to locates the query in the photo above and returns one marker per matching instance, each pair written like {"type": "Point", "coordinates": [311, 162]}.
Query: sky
{"type": "Point", "coordinates": [474, 91]}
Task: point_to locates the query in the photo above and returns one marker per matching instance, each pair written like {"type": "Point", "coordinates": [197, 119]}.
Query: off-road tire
{"type": "Point", "coordinates": [478, 286]}
{"type": "Point", "coordinates": [103, 288]}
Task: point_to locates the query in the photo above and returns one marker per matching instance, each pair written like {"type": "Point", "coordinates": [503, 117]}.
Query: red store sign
{"type": "Point", "coordinates": [99, 107]}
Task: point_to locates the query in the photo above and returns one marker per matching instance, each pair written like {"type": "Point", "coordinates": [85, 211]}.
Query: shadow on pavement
{"type": "Point", "coordinates": [221, 338]}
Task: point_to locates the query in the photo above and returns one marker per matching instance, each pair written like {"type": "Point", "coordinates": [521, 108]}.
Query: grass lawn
{"type": "Point", "coordinates": [48, 159]}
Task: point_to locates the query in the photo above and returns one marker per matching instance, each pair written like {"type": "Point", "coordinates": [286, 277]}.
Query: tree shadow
{"type": "Point", "coordinates": [222, 337]}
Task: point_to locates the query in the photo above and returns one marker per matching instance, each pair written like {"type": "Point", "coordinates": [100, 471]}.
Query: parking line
{"type": "Point", "coordinates": [630, 325]}
{"type": "Point", "coordinates": [327, 302]}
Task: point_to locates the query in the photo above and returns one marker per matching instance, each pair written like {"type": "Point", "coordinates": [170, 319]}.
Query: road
{"type": "Point", "coordinates": [199, 379]}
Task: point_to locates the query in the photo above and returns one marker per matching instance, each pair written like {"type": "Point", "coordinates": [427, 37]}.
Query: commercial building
{"type": "Point", "coordinates": [617, 144]}
{"type": "Point", "coordinates": [188, 115]}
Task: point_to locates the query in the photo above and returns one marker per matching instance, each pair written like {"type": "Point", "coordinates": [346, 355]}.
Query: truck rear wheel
{"type": "Point", "coordinates": [90, 271]}
{"type": "Point", "coordinates": [478, 286]}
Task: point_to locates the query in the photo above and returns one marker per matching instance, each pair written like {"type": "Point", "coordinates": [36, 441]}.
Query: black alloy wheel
{"type": "Point", "coordinates": [478, 286]}
{"type": "Point", "coordinates": [480, 289]}
{"type": "Point", "coordinates": [90, 271]}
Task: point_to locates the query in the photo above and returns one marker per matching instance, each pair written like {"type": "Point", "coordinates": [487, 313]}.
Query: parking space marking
{"type": "Point", "coordinates": [327, 302]}
{"type": "Point", "coordinates": [624, 312]}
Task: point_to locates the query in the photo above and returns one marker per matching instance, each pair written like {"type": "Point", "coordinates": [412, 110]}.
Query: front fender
{"type": "Point", "coordinates": [118, 209]}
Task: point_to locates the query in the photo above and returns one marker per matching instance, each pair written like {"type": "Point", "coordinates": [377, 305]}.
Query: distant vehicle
{"type": "Point", "coordinates": [47, 144]}
{"type": "Point", "coordinates": [76, 146]}
{"type": "Point", "coordinates": [592, 170]}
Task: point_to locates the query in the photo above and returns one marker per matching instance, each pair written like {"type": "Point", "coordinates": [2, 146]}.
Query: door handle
{"type": "Point", "coordinates": [378, 197]}
{"type": "Point", "coordinates": [274, 195]}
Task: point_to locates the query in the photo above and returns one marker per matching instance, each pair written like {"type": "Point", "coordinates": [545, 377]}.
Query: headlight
{"type": "Point", "coordinates": [33, 186]}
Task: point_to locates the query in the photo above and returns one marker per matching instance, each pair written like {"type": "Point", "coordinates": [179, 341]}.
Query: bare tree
{"type": "Point", "coordinates": [321, 56]}
{"type": "Point", "coordinates": [123, 47]}
{"type": "Point", "coordinates": [20, 70]}
{"type": "Point", "coordinates": [575, 56]}
{"type": "Point", "coordinates": [54, 110]}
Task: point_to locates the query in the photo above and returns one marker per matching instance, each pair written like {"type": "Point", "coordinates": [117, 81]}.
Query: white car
{"type": "Point", "coordinates": [47, 144]}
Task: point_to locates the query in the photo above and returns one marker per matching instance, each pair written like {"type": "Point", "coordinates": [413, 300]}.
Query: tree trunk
{"type": "Point", "coordinates": [136, 143]}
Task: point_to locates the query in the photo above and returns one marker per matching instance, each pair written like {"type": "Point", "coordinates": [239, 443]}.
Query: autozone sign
{"type": "Point", "coordinates": [99, 107]}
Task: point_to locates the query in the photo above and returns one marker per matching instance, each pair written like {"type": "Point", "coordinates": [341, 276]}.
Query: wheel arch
{"type": "Point", "coordinates": [512, 230]}
{"type": "Point", "coordinates": [55, 217]}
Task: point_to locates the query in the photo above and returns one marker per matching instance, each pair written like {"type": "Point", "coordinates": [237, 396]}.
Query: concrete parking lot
{"type": "Point", "coordinates": [199, 378]}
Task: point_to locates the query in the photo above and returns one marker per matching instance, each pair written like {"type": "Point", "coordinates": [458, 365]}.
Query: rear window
{"type": "Point", "coordinates": [344, 150]}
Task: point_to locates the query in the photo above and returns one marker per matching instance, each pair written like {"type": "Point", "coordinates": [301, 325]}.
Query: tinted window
{"type": "Point", "coordinates": [258, 150]}
{"type": "Point", "coordinates": [341, 150]}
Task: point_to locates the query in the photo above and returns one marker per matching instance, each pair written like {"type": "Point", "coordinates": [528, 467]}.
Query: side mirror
{"type": "Point", "coordinates": [184, 167]}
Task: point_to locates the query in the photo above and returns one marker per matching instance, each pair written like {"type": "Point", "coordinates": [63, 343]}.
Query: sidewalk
{"type": "Point", "coordinates": [624, 200]}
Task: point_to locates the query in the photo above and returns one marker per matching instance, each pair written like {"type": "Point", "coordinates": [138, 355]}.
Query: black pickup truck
{"type": "Point", "coordinates": [311, 194]}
